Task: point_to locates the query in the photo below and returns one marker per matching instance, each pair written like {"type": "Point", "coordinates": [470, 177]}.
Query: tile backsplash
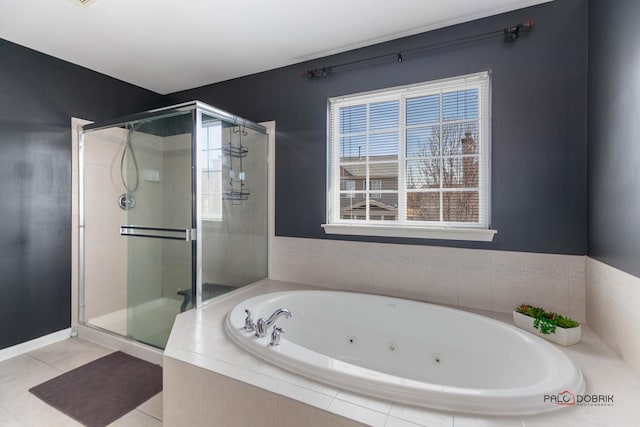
{"type": "Point", "coordinates": [481, 279]}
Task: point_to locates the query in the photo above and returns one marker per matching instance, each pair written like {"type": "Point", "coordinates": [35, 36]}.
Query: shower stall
{"type": "Point", "coordinates": [173, 211]}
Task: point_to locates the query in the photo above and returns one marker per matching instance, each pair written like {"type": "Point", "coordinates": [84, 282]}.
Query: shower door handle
{"type": "Point", "coordinates": [183, 234]}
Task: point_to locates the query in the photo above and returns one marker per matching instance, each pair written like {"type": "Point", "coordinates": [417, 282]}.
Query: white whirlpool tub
{"type": "Point", "coordinates": [409, 352]}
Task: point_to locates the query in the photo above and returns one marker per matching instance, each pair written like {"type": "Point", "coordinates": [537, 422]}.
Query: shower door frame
{"type": "Point", "coordinates": [197, 109]}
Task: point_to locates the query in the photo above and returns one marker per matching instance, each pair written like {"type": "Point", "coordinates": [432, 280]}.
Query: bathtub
{"type": "Point", "coordinates": [409, 352]}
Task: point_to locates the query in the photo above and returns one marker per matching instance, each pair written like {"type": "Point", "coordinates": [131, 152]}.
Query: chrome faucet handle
{"type": "Point", "coordinates": [261, 328]}
{"type": "Point", "coordinates": [275, 336]}
{"type": "Point", "coordinates": [249, 325]}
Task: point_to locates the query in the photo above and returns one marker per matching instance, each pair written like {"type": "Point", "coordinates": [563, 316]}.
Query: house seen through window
{"type": "Point", "coordinates": [415, 156]}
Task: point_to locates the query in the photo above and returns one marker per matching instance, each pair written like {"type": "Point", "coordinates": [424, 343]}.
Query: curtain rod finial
{"type": "Point", "coordinates": [528, 24]}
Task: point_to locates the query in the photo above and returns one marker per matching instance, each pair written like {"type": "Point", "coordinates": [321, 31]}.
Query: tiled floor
{"type": "Point", "coordinates": [19, 408]}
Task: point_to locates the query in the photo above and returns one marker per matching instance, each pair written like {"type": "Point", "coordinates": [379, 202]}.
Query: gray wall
{"type": "Point", "coordinates": [38, 97]}
{"type": "Point", "coordinates": [539, 123]}
{"type": "Point", "coordinates": [614, 129]}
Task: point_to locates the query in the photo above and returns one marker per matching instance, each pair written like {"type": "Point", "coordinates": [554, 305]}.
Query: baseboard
{"type": "Point", "coordinates": [26, 347]}
{"type": "Point", "coordinates": [126, 345]}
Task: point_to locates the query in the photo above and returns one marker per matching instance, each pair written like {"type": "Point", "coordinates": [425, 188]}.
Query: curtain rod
{"type": "Point", "coordinates": [511, 34]}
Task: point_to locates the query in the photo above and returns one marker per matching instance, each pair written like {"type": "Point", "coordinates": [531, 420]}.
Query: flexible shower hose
{"type": "Point", "coordinates": [128, 147]}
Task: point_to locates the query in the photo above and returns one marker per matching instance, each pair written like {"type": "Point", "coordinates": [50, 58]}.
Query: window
{"type": "Point", "coordinates": [415, 157]}
{"type": "Point", "coordinates": [212, 171]}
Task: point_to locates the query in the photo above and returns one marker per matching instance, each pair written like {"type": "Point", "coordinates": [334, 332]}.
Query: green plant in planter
{"type": "Point", "coordinates": [546, 325]}
{"type": "Point", "coordinates": [546, 321]}
{"type": "Point", "coordinates": [566, 323]}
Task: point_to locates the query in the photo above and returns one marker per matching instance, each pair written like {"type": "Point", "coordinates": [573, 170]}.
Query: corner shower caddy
{"type": "Point", "coordinates": [236, 191]}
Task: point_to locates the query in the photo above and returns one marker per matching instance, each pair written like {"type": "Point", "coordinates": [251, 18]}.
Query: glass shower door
{"type": "Point", "coordinates": [234, 230]}
{"type": "Point", "coordinates": [159, 228]}
{"type": "Point", "coordinates": [137, 225]}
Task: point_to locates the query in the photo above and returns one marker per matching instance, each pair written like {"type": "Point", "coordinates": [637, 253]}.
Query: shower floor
{"type": "Point", "coordinates": [149, 323]}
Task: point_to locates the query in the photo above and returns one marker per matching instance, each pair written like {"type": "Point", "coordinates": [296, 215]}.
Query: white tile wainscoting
{"type": "Point", "coordinates": [580, 287]}
{"type": "Point", "coordinates": [613, 309]}
{"type": "Point", "coordinates": [490, 280]}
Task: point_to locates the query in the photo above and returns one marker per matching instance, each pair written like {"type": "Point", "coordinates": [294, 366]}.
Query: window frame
{"type": "Point", "coordinates": [374, 192]}
{"type": "Point", "coordinates": [480, 231]}
{"type": "Point", "coordinates": [349, 192]}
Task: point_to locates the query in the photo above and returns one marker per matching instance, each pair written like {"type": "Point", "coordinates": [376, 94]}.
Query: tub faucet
{"type": "Point", "coordinates": [262, 325]}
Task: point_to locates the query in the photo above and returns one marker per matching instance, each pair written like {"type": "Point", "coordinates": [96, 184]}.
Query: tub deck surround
{"type": "Point", "coordinates": [203, 365]}
{"type": "Point", "coordinates": [403, 351]}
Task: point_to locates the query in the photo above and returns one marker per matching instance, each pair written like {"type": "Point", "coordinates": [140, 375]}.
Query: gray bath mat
{"type": "Point", "coordinates": [100, 392]}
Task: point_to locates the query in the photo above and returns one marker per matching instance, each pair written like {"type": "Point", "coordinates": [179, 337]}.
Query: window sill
{"type": "Point", "coordinates": [471, 234]}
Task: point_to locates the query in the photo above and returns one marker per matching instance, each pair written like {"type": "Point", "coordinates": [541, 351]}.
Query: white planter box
{"type": "Point", "coordinates": [562, 336]}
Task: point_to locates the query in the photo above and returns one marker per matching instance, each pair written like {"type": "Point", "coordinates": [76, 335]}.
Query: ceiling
{"type": "Point", "coordinates": [171, 45]}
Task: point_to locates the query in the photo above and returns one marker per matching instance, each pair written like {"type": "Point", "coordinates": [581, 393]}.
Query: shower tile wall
{"type": "Point", "coordinates": [480, 279]}
{"type": "Point", "coordinates": [105, 250]}
{"type": "Point", "coordinates": [143, 258]}
{"type": "Point", "coordinates": [107, 267]}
